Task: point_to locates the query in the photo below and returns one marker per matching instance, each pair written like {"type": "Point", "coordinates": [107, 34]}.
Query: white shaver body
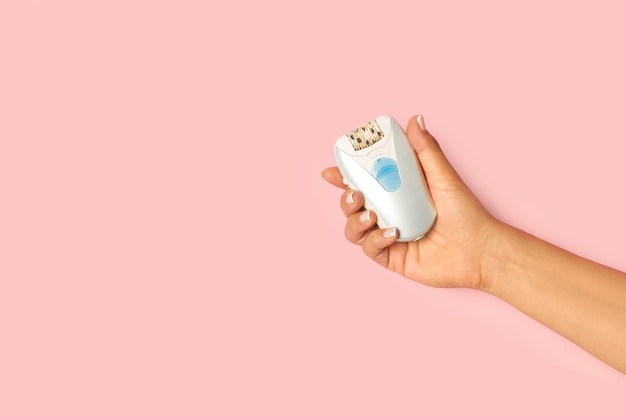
{"type": "Point", "coordinates": [378, 161]}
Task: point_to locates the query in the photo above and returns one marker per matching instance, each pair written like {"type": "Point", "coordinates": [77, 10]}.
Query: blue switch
{"type": "Point", "coordinates": [385, 171]}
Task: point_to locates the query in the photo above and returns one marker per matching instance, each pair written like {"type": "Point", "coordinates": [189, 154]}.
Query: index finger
{"type": "Point", "coordinates": [333, 176]}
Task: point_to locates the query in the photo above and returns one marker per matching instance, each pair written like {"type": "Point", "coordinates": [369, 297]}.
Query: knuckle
{"type": "Point", "coordinates": [349, 233]}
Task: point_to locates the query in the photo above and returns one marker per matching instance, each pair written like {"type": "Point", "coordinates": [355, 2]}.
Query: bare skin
{"type": "Point", "coordinates": [467, 247]}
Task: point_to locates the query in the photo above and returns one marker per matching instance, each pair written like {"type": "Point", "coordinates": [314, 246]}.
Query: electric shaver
{"type": "Point", "coordinates": [377, 160]}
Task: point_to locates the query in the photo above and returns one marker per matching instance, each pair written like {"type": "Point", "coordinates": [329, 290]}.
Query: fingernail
{"type": "Point", "coordinates": [420, 122]}
{"type": "Point", "coordinates": [389, 233]}
{"type": "Point", "coordinates": [350, 197]}
{"type": "Point", "coordinates": [365, 216]}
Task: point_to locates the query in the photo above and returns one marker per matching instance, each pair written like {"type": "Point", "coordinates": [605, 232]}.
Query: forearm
{"type": "Point", "coordinates": [579, 299]}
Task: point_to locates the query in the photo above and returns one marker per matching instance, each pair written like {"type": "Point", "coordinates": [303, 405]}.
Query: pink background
{"type": "Point", "coordinates": [167, 246]}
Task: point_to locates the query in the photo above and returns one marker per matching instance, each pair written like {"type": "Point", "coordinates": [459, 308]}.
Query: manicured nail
{"type": "Point", "coordinates": [350, 197]}
{"type": "Point", "coordinates": [365, 216]}
{"type": "Point", "coordinates": [420, 122]}
{"type": "Point", "coordinates": [389, 233]}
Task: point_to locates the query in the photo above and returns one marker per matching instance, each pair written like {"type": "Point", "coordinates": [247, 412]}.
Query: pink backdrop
{"type": "Point", "coordinates": [167, 246]}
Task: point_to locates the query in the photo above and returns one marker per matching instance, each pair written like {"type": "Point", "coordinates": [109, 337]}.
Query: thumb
{"type": "Point", "coordinates": [438, 171]}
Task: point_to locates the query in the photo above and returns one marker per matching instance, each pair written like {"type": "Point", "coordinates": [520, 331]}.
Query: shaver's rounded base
{"type": "Point", "coordinates": [410, 239]}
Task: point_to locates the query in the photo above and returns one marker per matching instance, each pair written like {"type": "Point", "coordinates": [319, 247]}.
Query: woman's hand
{"type": "Point", "coordinates": [576, 297]}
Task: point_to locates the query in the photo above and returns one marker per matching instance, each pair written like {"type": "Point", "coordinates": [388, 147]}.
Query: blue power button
{"type": "Point", "coordinates": [385, 171]}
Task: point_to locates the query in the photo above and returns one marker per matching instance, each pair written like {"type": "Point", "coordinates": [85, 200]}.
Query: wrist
{"type": "Point", "coordinates": [502, 257]}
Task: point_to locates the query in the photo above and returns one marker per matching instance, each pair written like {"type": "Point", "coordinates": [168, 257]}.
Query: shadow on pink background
{"type": "Point", "coordinates": [167, 246]}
